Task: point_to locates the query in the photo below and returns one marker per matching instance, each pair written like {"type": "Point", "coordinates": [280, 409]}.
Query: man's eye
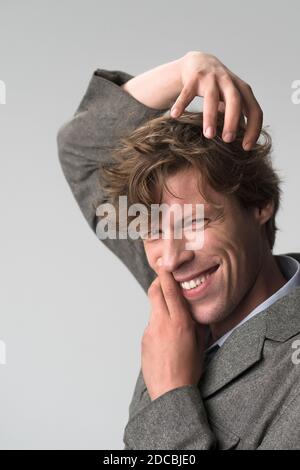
{"type": "Point", "coordinates": [200, 222]}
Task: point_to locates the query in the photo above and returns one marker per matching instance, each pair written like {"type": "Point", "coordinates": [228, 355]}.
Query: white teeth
{"type": "Point", "coordinates": [194, 282]}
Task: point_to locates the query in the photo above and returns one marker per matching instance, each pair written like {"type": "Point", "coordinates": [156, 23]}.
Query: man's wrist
{"type": "Point", "coordinates": [157, 88]}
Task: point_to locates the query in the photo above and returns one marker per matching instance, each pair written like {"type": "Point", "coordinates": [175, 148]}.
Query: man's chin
{"type": "Point", "coordinates": [208, 315]}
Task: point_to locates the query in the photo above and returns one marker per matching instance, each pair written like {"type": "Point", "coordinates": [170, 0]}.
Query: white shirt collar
{"type": "Point", "coordinates": [290, 268]}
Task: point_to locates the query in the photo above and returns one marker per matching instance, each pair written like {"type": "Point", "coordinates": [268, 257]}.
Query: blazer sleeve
{"type": "Point", "coordinates": [176, 420]}
{"type": "Point", "coordinates": [105, 114]}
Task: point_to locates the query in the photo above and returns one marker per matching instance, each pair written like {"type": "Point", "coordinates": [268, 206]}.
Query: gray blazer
{"type": "Point", "coordinates": [249, 394]}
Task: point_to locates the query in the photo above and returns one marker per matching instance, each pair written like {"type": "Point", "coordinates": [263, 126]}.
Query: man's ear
{"type": "Point", "coordinates": [264, 213]}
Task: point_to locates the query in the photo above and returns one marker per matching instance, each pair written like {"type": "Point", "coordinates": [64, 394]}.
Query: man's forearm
{"type": "Point", "coordinates": [157, 88]}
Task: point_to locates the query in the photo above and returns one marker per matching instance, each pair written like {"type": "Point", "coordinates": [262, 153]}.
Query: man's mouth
{"type": "Point", "coordinates": [198, 279]}
{"type": "Point", "coordinates": [197, 284]}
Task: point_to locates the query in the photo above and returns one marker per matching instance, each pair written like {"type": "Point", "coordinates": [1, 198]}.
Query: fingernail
{"type": "Point", "coordinates": [247, 146]}
{"type": "Point", "coordinates": [229, 137]}
{"type": "Point", "coordinates": [209, 132]}
{"type": "Point", "coordinates": [159, 261]}
{"type": "Point", "coordinates": [175, 112]}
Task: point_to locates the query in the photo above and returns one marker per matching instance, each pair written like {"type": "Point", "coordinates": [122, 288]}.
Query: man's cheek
{"type": "Point", "coordinates": [215, 242]}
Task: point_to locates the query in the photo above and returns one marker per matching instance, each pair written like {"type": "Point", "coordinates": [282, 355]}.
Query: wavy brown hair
{"type": "Point", "coordinates": [164, 145]}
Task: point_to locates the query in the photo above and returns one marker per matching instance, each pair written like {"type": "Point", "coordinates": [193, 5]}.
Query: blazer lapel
{"type": "Point", "coordinates": [240, 351]}
{"type": "Point", "coordinates": [244, 347]}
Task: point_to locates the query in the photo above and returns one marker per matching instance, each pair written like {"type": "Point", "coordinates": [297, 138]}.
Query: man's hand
{"type": "Point", "coordinates": [175, 84]}
{"type": "Point", "coordinates": [173, 343]}
{"type": "Point", "coordinates": [204, 75]}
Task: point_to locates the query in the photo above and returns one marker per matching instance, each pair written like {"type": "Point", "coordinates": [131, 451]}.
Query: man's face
{"type": "Point", "coordinates": [230, 257]}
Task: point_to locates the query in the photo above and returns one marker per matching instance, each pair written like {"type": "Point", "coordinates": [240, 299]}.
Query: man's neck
{"type": "Point", "coordinates": [269, 280]}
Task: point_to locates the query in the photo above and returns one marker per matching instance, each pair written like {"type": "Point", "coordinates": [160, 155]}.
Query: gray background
{"type": "Point", "coordinates": [70, 314]}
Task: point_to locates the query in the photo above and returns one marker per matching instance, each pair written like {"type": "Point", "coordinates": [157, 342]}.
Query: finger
{"type": "Point", "coordinates": [233, 108]}
{"type": "Point", "coordinates": [184, 99]}
{"type": "Point", "coordinates": [210, 109]}
{"type": "Point", "coordinates": [254, 115]}
{"type": "Point", "coordinates": [159, 306]}
{"type": "Point", "coordinates": [175, 302]}
{"type": "Point", "coordinates": [221, 107]}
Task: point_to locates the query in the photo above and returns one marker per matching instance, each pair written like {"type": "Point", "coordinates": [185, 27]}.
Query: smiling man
{"type": "Point", "coordinates": [217, 369]}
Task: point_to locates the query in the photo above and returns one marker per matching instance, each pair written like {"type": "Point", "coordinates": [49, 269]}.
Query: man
{"type": "Point", "coordinates": [238, 388]}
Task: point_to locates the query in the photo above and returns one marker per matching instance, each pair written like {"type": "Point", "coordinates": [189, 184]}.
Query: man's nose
{"type": "Point", "coordinates": [175, 253]}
